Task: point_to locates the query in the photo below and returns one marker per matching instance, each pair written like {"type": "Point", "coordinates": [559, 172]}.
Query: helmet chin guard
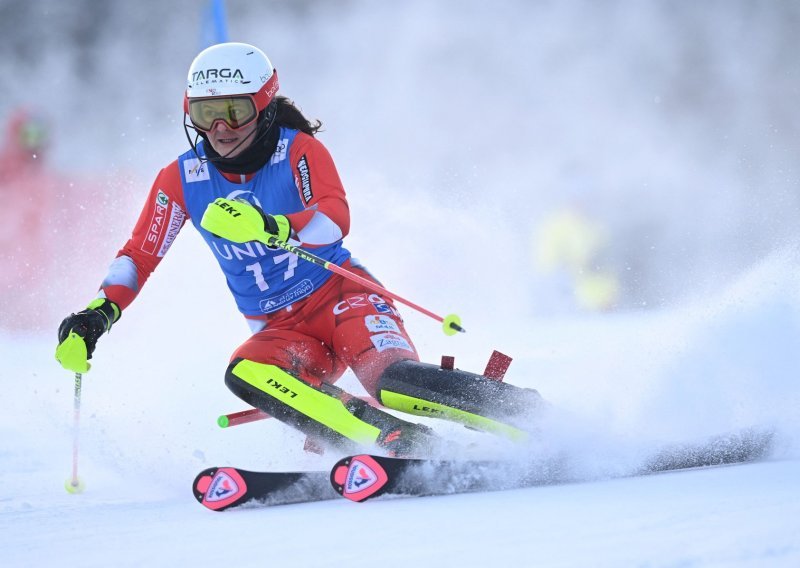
{"type": "Point", "coordinates": [228, 69]}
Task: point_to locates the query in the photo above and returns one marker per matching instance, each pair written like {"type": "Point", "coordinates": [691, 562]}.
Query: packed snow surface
{"type": "Point", "coordinates": [629, 383]}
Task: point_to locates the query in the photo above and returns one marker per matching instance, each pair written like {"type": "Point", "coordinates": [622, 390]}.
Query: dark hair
{"type": "Point", "coordinates": [289, 116]}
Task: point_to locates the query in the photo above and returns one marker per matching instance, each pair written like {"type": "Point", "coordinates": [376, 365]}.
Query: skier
{"type": "Point", "coordinates": [255, 156]}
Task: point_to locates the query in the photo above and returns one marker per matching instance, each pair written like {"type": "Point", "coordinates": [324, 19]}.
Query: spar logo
{"type": "Point", "coordinates": [156, 226]}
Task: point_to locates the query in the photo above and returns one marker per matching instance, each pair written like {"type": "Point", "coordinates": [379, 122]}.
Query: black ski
{"type": "Point", "coordinates": [365, 476]}
{"type": "Point", "coordinates": [221, 488]}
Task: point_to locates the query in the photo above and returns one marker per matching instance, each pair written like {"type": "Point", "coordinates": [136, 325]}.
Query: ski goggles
{"type": "Point", "coordinates": [235, 111]}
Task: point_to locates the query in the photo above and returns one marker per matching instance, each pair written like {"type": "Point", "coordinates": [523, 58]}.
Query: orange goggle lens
{"type": "Point", "coordinates": [234, 111]}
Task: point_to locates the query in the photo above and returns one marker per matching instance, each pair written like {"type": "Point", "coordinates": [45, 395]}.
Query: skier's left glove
{"type": "Point", "coordinates": [278, 226]}
{"type": "Point", "coordinates": [241, 222]}
{"type": "Point", "coordinates": [78, 333]}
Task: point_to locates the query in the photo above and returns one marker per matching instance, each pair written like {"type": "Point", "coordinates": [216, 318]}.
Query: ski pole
{"type": "Point", "coordinates": [74, 484]}
{"type": "Point", "coordinates": [217, 221]}
{"type": "Point", "coordinates": [451, 324]}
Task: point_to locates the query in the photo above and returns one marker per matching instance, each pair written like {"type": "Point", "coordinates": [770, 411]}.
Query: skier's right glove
{"type": "Point", "coordinates": [78, 334]}
{"type": "Point", "coordinates": [241, 222]}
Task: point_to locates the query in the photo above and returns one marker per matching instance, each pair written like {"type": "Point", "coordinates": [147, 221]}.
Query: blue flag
{"type": "Point", "coordinates": [214, 24]}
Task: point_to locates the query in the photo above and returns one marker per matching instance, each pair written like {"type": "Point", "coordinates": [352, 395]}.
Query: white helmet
{"type": "Point", "coordinates": [229, 69]}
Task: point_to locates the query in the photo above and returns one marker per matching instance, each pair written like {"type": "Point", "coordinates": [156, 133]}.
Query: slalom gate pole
{"type": "Point", "coordinates": [255, 414]}
{"type": "Point", "coordinates": [74, 484]}
{"type": "Point", "coordinates": [243, 417]}
{"type": "Point", "coordinates": [451, 324]}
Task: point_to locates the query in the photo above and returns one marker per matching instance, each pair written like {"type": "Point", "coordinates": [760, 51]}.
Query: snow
{"type": "Point", "coordinates": [146, 433]}
{"type": "Point", "coordinates": [742, 516]}
{"type": "Point", "coordinates": [624, 109]}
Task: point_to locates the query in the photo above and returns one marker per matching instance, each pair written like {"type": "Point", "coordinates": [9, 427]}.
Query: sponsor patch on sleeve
{"type": "Point", "coordinates": [176, 218]}
{"type": "Point", "coordinates": [305, 178]}
{"type": "Point", "coordinates": [156, 227]}
{"type": "Point", "coordinates": [384, 341]}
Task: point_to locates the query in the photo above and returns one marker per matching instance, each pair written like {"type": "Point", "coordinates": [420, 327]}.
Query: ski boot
{"type": "Point", "coordinates": [328, 415]}
{"type": "Point", "coordinates": [477, 401]}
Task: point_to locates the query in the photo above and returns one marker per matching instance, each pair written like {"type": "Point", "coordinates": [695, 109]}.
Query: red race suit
{"type": "Point", "coordinates": [334, 323]}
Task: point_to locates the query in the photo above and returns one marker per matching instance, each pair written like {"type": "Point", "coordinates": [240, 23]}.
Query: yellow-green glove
{"type": "Point", "coordinates": [78, 334]}
{"type": "Point", "coordinates": [241, 222]}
